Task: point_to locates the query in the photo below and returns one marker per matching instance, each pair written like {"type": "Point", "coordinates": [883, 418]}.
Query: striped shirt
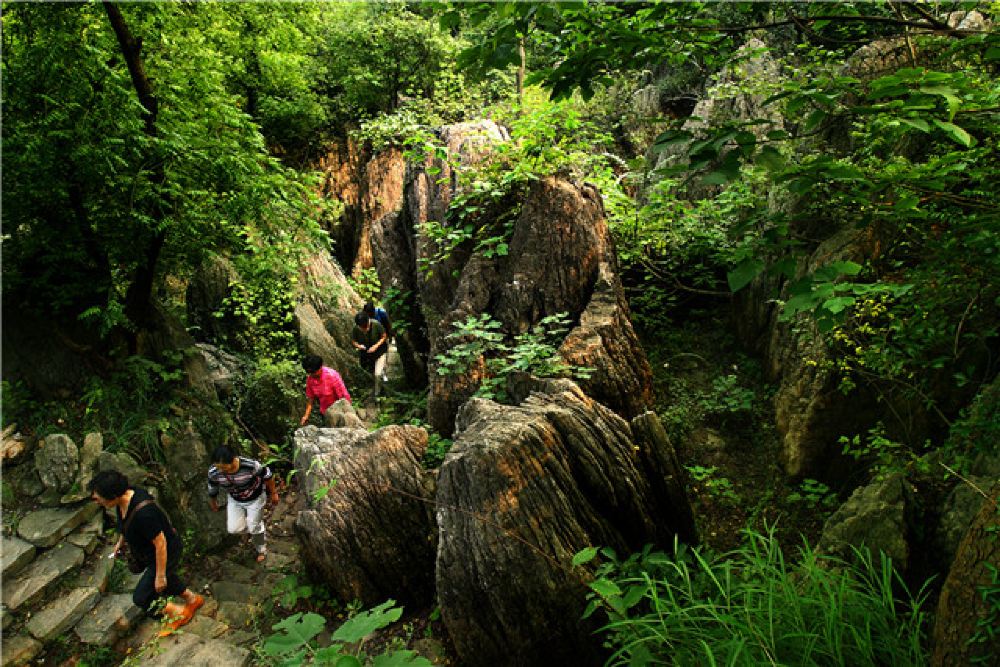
{"type": "Point", "coordinates": [244, 485]}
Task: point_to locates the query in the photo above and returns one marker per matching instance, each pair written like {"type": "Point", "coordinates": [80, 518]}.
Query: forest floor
{"type": "Point", "coordinates": [717, 406]}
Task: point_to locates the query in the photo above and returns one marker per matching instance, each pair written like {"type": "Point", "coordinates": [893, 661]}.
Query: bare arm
{"type": "Point", "coordinates": [305, 417]}
{"type": "Point", "coordinates": [271, 491]}
{"type": "Point", "coordinates": [160, 545]}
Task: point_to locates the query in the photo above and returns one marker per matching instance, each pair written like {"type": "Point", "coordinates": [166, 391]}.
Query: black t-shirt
{"type": "Point", "coordinates": [149, 522]}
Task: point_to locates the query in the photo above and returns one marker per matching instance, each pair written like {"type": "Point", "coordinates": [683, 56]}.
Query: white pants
{"type": "Point", "coordinates": [247, 517]}
{"type": "Point", "coordinates": [380, 365]}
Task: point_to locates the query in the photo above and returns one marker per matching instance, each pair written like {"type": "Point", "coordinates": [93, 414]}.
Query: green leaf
{"type": "Point", "coordinates": [584, 556]}
{"type": "Point", "coordinates": [367, 622]}
{"type": "Point", "coordinates": [605, 588]}
{"type": "Point", "coordinates": [838, 303]}
{"type": "Point", "coordinates": [742, 275]}
{"type": "Point", "coordinates": [296, 632]}
{"type": "Point", "coordinates": [949, 94]}
{"type": "Point", "coordinates": [348, 661]}
{"type": "Point", "coordinates": [917, 123]}
{"type": "Point", "coordinates": [401, 658]}
{"type": "Point", "coordinates": [955, 132]}
{"type": "Point", "coordinates": [770, 158]}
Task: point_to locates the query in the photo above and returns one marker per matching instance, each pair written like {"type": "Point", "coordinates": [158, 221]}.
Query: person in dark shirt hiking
{"type": "Point", "coordinates": [245, 481]}
{"type": "Point", "coordinates": [371, 341]}
{"type": "Point", "coordinates": [153, 542]}
{"type": "Point", "coordinates": [382, 317]}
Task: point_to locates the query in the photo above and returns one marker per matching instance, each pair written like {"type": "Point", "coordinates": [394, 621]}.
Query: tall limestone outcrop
{"type": "Point", "coordinates": [369, 531]}
{"type": "Point", "coordinates": [561, 260]}
{"type": "Point", "coordinates": [523, 489]}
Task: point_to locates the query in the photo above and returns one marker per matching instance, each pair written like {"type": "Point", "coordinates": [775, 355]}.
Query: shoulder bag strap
{"type": "Point", "coordinates": [131, 515]}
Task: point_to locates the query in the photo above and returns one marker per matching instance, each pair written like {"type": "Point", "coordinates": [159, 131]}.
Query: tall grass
{"type": "Point", "coordinates": [752, 607]}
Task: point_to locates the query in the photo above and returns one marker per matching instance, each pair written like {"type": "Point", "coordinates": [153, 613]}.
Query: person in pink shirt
{"type": "Point", "coordinates": [324, 384]}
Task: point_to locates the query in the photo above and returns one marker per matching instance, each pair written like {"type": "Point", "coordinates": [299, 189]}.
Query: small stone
{"type": "Point", "coordinates": [39, 577]}
{"type": "Point", "coordinates": [62, 614]}
{"type": "Point", "coordinates": [15, 554]}
{"type": "Point", "coordinates": [86, 541]}
{"type": "Point", "coordinates": [30, 484]}
{"type": "Point", "coordinates": [20, 650]}
{"type": "Point", "coordinates": [235, 614]}
{"type": "Point", "coordinates": [193, 651]}
{"type": "Point", "coordinates": [108, 621]}
{"type": "Point", "coordinates": [230, 571]}
{"type": "Point", "coordinates": [206, 627]}
{"type": "Point", "coordinates": [13, 445]}
{"type": "Point", "coordinates": [432, 649]}
{"type": "Point", "coordinates": [46, 527]}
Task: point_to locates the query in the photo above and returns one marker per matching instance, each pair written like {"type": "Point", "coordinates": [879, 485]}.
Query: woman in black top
{"type": "Point", "coordinates": [154, 543]}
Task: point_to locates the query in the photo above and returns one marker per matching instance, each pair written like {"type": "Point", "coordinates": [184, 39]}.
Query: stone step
{"type": "Point", "coordinates": [44, 528]}
{"type": "Point", "coordinates": [19, 650]}
{"type": "Point", "coordinates": [109, 620]}
{"type": "Point", "coordinates": [15, 553]}
{"type": "Point", "coordinates": [191, 650]}
{"type": "Point", "coordinates": [39, 577]}
{"type": "Point", "coordinates": [62, 614]}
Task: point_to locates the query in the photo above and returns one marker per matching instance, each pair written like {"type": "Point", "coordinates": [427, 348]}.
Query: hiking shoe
{"type": "Point", "coordinates": [261, 555]}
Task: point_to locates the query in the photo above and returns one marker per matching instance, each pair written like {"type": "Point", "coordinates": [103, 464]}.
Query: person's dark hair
{"type": "Point", "coordinates": [223, 454]}
{"type": "Point", "coordinates": [361, 319]}
{"type": "Point", "coordinates": [108, 484]}
{"type": "Point", "coordinates": [369, 310]}
{"type": "Point", "coordinates": [312, 363]}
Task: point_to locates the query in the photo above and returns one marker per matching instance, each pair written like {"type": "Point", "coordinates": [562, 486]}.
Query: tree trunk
{"type": "Point", "coordinates": [140, 290]}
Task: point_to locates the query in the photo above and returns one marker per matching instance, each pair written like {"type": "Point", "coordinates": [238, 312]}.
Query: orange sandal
{"type": "Point", "coordinates": [170, 627]}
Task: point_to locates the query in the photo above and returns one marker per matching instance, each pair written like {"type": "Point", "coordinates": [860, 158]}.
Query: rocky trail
{"type": "Point", "coordinates": [60, 590]}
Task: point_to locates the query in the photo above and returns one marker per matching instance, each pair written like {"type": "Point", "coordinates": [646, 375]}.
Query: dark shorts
{"type": "Point", "coordinates": [145, 591]}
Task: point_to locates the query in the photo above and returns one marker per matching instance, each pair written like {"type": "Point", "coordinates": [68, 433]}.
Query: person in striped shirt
{"type": "Point", "coordinates": [245, 480]}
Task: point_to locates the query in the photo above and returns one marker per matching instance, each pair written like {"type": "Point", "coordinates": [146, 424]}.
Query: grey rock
{"type": "Point", "coordinates": [19, 650]}
{"type": "Point", "coordinates": [875, 517]}
{"type": "Point", "coordinates": [44, 528]}
{"type": "Point", "coordinates": [85, 540]}
{"type": "Point", "coordinates": [342, 415]}
{"type": "Point", "coordinates": [109, 620]}
{"type": "Point", "coordinates": [960, 508]}
{"type": "Point", "coordinates": [14, 555]}
{"type": "Point", "coordinates": [223, 368]}
{"type": "Point", "coordinates": [98, 574]}
{"type": "Point", "coordinates": [14, 446]}
{"type": "Point", "coordinates": [30, 484]}
{"type": "Point", "coordinates": [39, 577]}
{"type": "Point", "coordinates": [235, 614]}
{"type": "Point", "coordinates": [61, 614]}
{"type": "Point", "coordinates": [123, 463]}
{"type": "Point", "coordinates": [241, 638]}
{"type": "Point", "coordinates": [234, 572]}
{"type": "Point", "coordinates": [57, 462]}
{"type": "Point", "coordinates": [206, 627]}
{"type": "Point", "coordinates": [93, 445]}
{"type": "Point", "coordinates": [191, 650]}
{"type": "Point", "coordinates": [231, 591]}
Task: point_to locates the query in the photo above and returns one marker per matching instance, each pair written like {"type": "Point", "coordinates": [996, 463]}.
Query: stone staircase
{"type": "Point", "coordinates": [58, 589]}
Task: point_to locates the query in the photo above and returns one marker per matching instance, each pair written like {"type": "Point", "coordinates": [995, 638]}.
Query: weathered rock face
{"type": "Point", "coordinates": [874, 516]}
{"type": "Point", "coordinates": [369, 533]}
{"type": "Point", "coordinates": [810, 411]}
{"type": "Point", "coordinates": [224, 368]}
{"type": "Point", "coordinates": [561, 260]}
{"type": "Point", "coordinates": [206, 295]}
{"type": "Point", "coordinates": [182, 493]}
{"type": "Point", "coordinates": [963, 612]}
{"type": "Point", "coordinates": [606, 342]}
{"type": "Point", "coordinates": [523, 489]}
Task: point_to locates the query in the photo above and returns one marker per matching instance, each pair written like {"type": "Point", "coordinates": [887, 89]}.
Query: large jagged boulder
{"type": "Point", "coordinates": [875, 516]}
{"type": "Point", "coordinates": [522, 490]}
{"type": "Point", "coordinates": [57, 462]}
{"type": "Point", "coordinates": [342, 166]}
{"type": "Point", "coordinates": [966, 622]}
{"type": "Point", "coordinates": [561, 260]}
{"type": "Point", "coordinates": [369, 530]}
